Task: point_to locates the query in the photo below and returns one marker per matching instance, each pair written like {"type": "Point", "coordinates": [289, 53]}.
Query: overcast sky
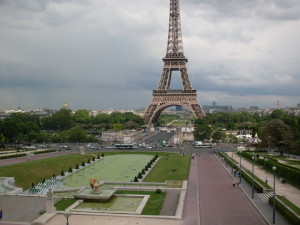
{"type": "Point", "coordinates": [100, 54]}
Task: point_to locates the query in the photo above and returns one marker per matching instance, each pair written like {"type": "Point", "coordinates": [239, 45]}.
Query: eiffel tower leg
{"type": "Point", "coordinates": [149, 113]}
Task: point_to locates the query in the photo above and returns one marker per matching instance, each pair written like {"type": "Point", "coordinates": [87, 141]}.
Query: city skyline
{"type": "Point", "coordinates": [108, 54]}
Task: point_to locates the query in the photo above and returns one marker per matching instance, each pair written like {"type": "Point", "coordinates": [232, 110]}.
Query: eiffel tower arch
{"type": "Point", "coordinates": [164, 97]}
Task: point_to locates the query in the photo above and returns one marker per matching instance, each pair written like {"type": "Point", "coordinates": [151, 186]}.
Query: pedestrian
{"type": "Point", "coordinates": [1, 213]}
{"type": "Point", "coordinates": [234, 172]}
{"type": "Point", "coordinates": [266, 180]}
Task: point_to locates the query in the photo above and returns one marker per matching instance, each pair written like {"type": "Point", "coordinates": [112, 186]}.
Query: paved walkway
{"type": "Point", "coordinates": [220, 202]}
{"type": "Point", "coordinates": [286, 190]}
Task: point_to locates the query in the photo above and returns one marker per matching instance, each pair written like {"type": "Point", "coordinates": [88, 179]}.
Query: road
{"type": "Point", "coordinates": [216, 201]}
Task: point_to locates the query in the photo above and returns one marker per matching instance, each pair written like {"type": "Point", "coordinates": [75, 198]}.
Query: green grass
{"type": "Point", "coordinates": [174, 167]}
{"type": "Point", "coordinates": [181, 122]}
{"type": "Point", "coordinates": [258, 180]}
{"type": "Point", "coordinates": [295, 208]}
{"type": "Point", "coordinates": [34, 171]}
{"type": "Point", "coordinates": [154, 203]}
{"type": "Point", "coordinates": [63, 204]}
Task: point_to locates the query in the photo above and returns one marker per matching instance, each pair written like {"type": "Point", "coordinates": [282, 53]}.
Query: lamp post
{"type": "Point", "coordinates": [274, 169]}
{"type": "Point", "coordinates": [240, 167]}
{"type": "Point", "coordinates": [67, 214]}
{"type": "Point", "coordinates": [232, 160]}
{"type": "Point", "coordinates": [253, 158]}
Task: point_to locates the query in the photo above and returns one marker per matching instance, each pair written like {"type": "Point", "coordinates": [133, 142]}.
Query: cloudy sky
{"type": "Point", "coordinates": [99, 54]}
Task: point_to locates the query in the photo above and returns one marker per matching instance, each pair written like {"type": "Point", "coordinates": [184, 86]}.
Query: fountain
{"type": "Point", "coordinates": [94, 192]}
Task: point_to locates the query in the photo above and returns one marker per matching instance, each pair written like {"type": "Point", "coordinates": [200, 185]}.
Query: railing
{"type": "Point", "coordinates": [174, 91]}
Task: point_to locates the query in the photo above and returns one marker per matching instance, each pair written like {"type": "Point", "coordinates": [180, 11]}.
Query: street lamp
{"type": "Point", "coordinates": [253, 158]}
{"type": "Point", "coordinates": [274, 169]}
{"type": "Point", "coordinates": [67, 214]}
{"type": "Point", "coordinates": [232, 161]}
{"type": "Point", "coordinates": [240, 167]}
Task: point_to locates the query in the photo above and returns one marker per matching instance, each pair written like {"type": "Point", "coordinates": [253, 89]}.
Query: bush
{"type": "Point", "coordinates": [88, 161]}
{"type": "Point", "coordinates": [62, 173]}
{"type": "Point", "coordinates": [293, 220]}
{"type": "Point", "coordinates": [12, 156]}
{"type": "Point", "coordinates": [70, 170]}
{"type": "Point", "coordinates": [82, 164]}
{"type": "Point", "coordinates": [77, 167]}
{"type": "Point", "coordinates": [102, 155]}
{"type": "Point", "coordinates": [158, 191]}
{"type": "Point", "coordinates": [98, 156]}
{"type": "Point", "coordinates": [140, 176]}
{"type": "Point", "coordinates": [286, 171]}
{"type": "Point", "coordinates": [135, 179]}
{"type": "Point", "coordinates": [93, 159]}
{"type": "Point", "coordinates": [44, 179]}
{"type": "Point", "coordinates": [42, 152]}
{"type": "Point", "coordinates": [143, 171]}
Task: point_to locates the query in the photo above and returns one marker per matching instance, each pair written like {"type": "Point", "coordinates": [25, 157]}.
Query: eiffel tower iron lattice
{"type": "Point", "coordinates": [163, 96]}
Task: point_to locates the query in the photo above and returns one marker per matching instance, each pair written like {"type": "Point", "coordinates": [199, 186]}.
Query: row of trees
{"type": "Point", "coordinates": [276, 130]}
{"type": "Point", "coordinates": [63, 126]}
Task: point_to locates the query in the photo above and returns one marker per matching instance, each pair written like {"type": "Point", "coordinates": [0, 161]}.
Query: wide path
{"type": "Point", "coordinates": [286, 190]}
{"type": "Point", "coordinates": [220, 203]}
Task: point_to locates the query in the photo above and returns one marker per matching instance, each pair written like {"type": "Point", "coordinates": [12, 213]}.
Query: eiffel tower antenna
{"type": "Point", "coordinates": [163, 96]}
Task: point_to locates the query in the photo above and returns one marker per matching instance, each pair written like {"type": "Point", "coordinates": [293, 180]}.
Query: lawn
{"type": "Point", "coordinates": [172, 167]}
{"type": "Point", "coordinates": [181, 122]}
{"type": "Point", "coordinates": [295, 208]}
{"type": "Point", "coordinates": [154, 204]}
{"type": "Point", "coordinates": [34, 171]}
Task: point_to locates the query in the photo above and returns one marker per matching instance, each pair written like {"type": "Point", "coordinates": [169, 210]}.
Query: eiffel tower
{"type": "Point", "coordinates": [163, 96]}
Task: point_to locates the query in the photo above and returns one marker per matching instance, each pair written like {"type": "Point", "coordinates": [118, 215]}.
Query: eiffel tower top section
{"type": "Point", "coordinates": [175, 46]}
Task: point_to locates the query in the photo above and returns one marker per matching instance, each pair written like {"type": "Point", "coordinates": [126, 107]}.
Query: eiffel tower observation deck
{"type": "Point", "coordinates": [163, 96]}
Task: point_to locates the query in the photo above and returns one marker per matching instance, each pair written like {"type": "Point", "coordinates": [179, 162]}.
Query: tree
{"type": "Point", "coordinates": [218, 135]}
{"type": "Point", "coordinates": [77, 134]}
{"type": "Point", "coordinates": [82, 116]}
{"type": "Point", "coordinates": [118, 126]}
{"type": "Point", "coordinates": [61, 120]}
{"type": "Point", "coordinates": [202, 132]}
{"type": "Point", "coordinates": [277, 134]}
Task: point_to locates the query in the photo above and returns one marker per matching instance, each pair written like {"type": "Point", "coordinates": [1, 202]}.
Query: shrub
{"type": "Point", "coordinates": [77, 167]}
{"type": "Point", "coordinates": [70, 170]}
{"type": "Point", "coordinates": [135, 179]}
{"type": "Point", "coordinates": [98, 156]}
{"type": "Point", "coordinates": [62, 173]}
{"type": "Point", "coordinates": [102, 155]}
{"type": "Point", "coordinates": [88, 161]}
{"type": "Point", "coordinates": [143, 171]}
{"type": "Point", "coordinates": [93, 159]}
{"type": "Point", "coordinates": [82, 164]}
{"type": "Point", "coordinates": [293, 220]}
{"type": "Point", "coordinates": [158, 191]}
{"type": "Point", "coordinates": [12, 156]}
{"type": "Point", "coordinates": [140, 176]}
{"type": "Point", "coordinates": [44, 179]}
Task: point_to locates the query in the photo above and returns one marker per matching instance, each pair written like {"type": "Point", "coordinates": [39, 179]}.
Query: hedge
{"type": "Point", "coordinates": [42, 152]}
{"type": "Point", "coordinates": [12, 156]}
{"type": "Point", "coordinates": [290, 173]}
{"type": "Point", "coordinates": [293, 220]}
